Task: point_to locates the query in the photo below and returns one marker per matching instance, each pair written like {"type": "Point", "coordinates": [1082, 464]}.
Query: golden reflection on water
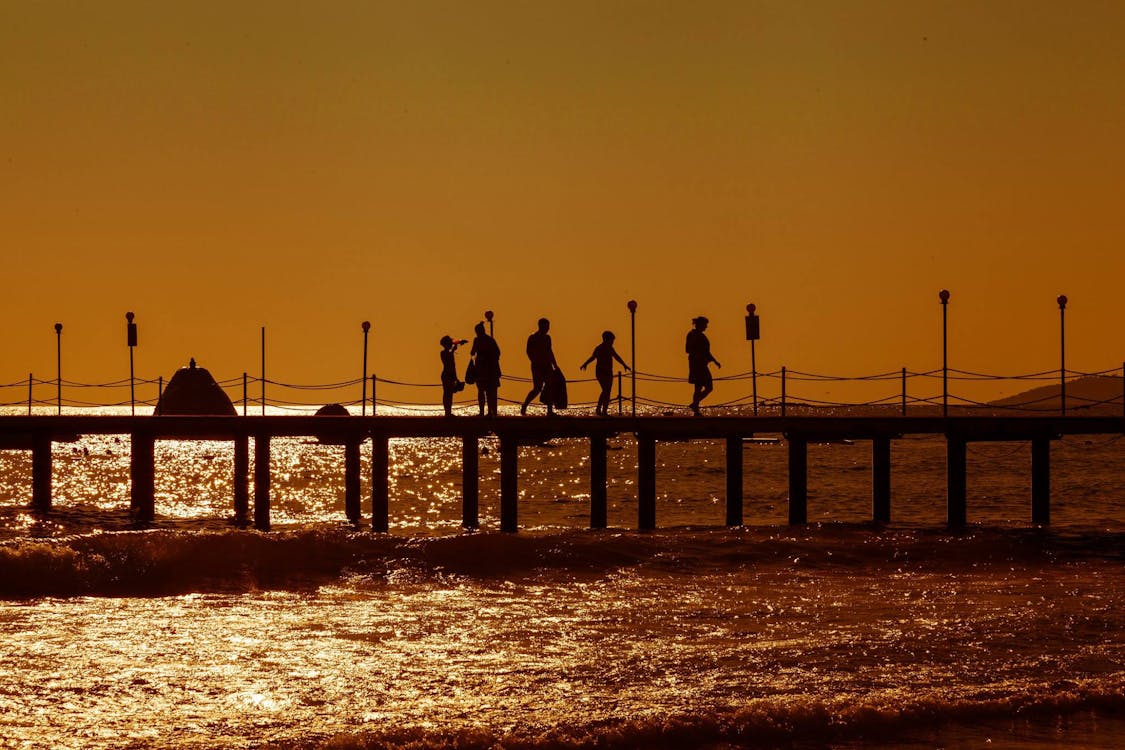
{"type": "Point", "coordinates": [529, 652]}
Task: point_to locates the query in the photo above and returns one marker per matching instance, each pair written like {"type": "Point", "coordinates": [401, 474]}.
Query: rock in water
{"type": "Point", "coordinates": [192, 390]}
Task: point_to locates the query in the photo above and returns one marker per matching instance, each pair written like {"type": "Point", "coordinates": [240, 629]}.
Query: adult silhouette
{"type": "Point", "coordinates": [699, 357]}
{"type": "Point", "coordinates": [486, 362]}
{"type": "Point", "coordinates": [542, 364]}
{"type": "Point", "coordinates": [603, 356]}
{"type": "Point", "coordinates": [450, 384]}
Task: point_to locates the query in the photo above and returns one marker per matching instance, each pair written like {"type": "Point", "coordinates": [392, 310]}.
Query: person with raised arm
{"type": "Point", "coordinates": [450, 383]}
{"type": "Point", "coordinates": [603, 356]}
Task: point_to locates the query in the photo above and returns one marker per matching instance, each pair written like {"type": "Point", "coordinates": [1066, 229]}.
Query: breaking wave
{"type": "Point", "coordinates": [162, 562]}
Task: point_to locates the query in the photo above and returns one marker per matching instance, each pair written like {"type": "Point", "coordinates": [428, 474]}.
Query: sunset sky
{"type": "Point", "coordinates": [216, 167]}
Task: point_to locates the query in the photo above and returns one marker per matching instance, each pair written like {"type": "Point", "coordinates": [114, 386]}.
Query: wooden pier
{"type": "Point", "coordinates": [38, 433]}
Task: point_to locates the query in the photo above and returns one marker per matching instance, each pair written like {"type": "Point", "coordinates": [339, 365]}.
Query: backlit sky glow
{"type": "Point", "coordinates": [308, 166]}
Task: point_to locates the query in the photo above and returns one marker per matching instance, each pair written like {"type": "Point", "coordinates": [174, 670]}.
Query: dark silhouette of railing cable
{"type": "Point", "coordinates": [788, 400]}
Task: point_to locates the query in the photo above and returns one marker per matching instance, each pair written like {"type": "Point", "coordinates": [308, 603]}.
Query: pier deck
{"type": "Point", "coordinates": [37, 433]}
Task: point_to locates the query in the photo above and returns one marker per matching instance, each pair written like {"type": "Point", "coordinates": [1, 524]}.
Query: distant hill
{"type": "Point", "coordinates": [1092, 395]}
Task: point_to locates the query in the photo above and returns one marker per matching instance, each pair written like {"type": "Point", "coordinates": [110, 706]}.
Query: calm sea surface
{"type": "Point", "coordinates": [840, 634]}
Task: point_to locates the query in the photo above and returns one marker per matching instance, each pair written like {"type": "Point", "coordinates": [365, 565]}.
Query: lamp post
{"type": "Point", "coordinates": [488, 317]}
{"type": "Point", "coordinates": [943, 295]}
{"type": "Point", "coordinates": [366, 326]}
{"type": "Point", "coordinates": [263, 371]}
{"type": "Point", "coordinates": [753, 333]}
{"type": "Point", "coordinates": [1062, 352]}
{"type": "Point", "coordinates": [131, 342]}
{"type": "Point", "coordinates": [633, 351]}
{"type": "Point", "coordinates": [58, 366]}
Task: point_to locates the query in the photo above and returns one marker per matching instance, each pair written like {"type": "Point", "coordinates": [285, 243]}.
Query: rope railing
{"type": "Point", "coordinates": [246, 392]}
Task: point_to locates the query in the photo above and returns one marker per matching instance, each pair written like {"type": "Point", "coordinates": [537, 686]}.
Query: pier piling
{"type": "Point", "coordinates": [41, 473]}
{"type": "Point", "coordinates": [470, 482]}
{"type": "Point", "coordinates": [734, 481]}
{"type": "Point", "coordinates": [646, 482]}
{"type": "Point", "coordinates": [957, 490]}
{"type": "Point", "coordinates": [798, 480]}
{"type": "Point", "coordinates": [262, 482]}
{"type": "Point", "coordinates": [598, 498]}
{"type": "Point", "coordinates": [142, 476]}
{"type": "Point", "coordinates": [351, 481]}
{"type": "Point", "coordinates": [509, 484]}
{"type": "Point", "coordinates": [380, 482]}
{"type": "Point", "coordinates": [1041, 481]}
{"type": "Point", "coordinates": [881, 480]}
{"type": "Point", "coordinates": [241, 479]}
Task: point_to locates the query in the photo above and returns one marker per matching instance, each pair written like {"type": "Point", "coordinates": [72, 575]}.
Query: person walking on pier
{"type": "Point", "coordinates": [603, 355]}
{"type": "Point", "coordinates": [450, 383]}
{"type": "Point", "coordinates": [699, 357]}
{"type": "Point", "coordinates": [486, 369]}
{"type": "Point", "coordinates": [542, 365]}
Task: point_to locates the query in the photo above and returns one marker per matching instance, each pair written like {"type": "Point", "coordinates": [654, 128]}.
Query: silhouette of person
{"type": "Point", "coordinates": [699, 357]}
{"type": "Point", "coordinates": [603, 355]}
{"type": "Point", "coordinates": [486, 357]}
{"type": "Point", "coordinates": [542, 364]}
{"type": "Point", "coordinates": [449, 379]}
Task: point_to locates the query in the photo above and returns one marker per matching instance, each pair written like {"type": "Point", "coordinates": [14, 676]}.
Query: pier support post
{"type": "Point", "coordinates": [798, 480]}
{"type": "Point", "coordinates": [41, 473]}
{"type": "Point", "coordinates": [470, 482]}
{"type": "Point", "coordinates": [881, 480]}
{"type": "Point", "coordinates": [351, 481]}
{"type": "Point", "coordinates": [598, 498]}
{"type": "Point", "coordinates": [957, 489]}
{"type": "Point", "coordinates": [142, 476]}
{"type": "Point", "coordinates": [241, 480]}
{"type": "Point", "coordinates": [1041, 481]}
{"type": "Point", "coordinates": [262, 482]}
{"type": "Point", "coordinates": [734, 481]}
{"type": "Point", "coordinates": [509, 484]}
{"type": "Point", "coordinates": [646, 482]}
{"type": "Point", "coordinates": [380, 483]}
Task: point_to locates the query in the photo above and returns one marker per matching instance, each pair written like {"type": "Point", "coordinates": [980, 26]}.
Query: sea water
{"type": "Point", "coordinates": [193, 633]}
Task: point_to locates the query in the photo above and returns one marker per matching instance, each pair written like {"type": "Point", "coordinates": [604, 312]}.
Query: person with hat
{"type": "Point", "coordinates": [699, 358]}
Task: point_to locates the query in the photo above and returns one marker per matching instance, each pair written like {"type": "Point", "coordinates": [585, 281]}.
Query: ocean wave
{"type": "Point", "coordinates": [162, 562]}
{"type": "Point", "coordinates": [886, 719]}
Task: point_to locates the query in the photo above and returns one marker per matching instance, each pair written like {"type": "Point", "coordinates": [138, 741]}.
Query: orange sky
{"type": "Point", "coordinates": [306, 166]}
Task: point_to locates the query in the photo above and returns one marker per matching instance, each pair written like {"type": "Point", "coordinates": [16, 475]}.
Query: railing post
{"type": "Point", "coordinates": [646, 482]}
{"type": "Point", "coordinates": [798, 479]}
{"type": "Point", "coordinates": [351, 480]}
{"type": "Point", "coordinates": [263, 371]}
{"type": "Point", "coordinates": [734, 481]}
{"type": "Point", "coordinates": [380, 482]}
{"type": "Point", "coordinates": [29, 382]}
{"type": "Point", "coordinates": [881, 479]}
{"type": "Point", "coordinates": [957, 491]}
{"type": "Point", "coordinates": [1041, 481]}
{"type": "Point", "coordinates": [598, 497]}
{"type": "Point", "coordinates": [374, 403]}
{"type": "Point", "coordinates": [142, 476]}
{"type": "Point", "coordinates": [470, 482]}
{"type": "Point", "coordinates": [620, 394]}
{"type": "Point", "coordinates": [509, 484]}
{"type": "Point", "coordinates": [41, 472]}
{"type": "Point", "coordinates": [241, 479]}
{"type": "Point", "coordinates": [904, 391]}
{"type": "Point", "coordinates": [245, 392]}
{"type": "Point", "coordinates": [262, 482]}
{"type": "Point", "coordinates": [783, 390]}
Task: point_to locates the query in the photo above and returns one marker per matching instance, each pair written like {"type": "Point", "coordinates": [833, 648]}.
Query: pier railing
{"type": "Point", "coordinates": [778, 392]}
